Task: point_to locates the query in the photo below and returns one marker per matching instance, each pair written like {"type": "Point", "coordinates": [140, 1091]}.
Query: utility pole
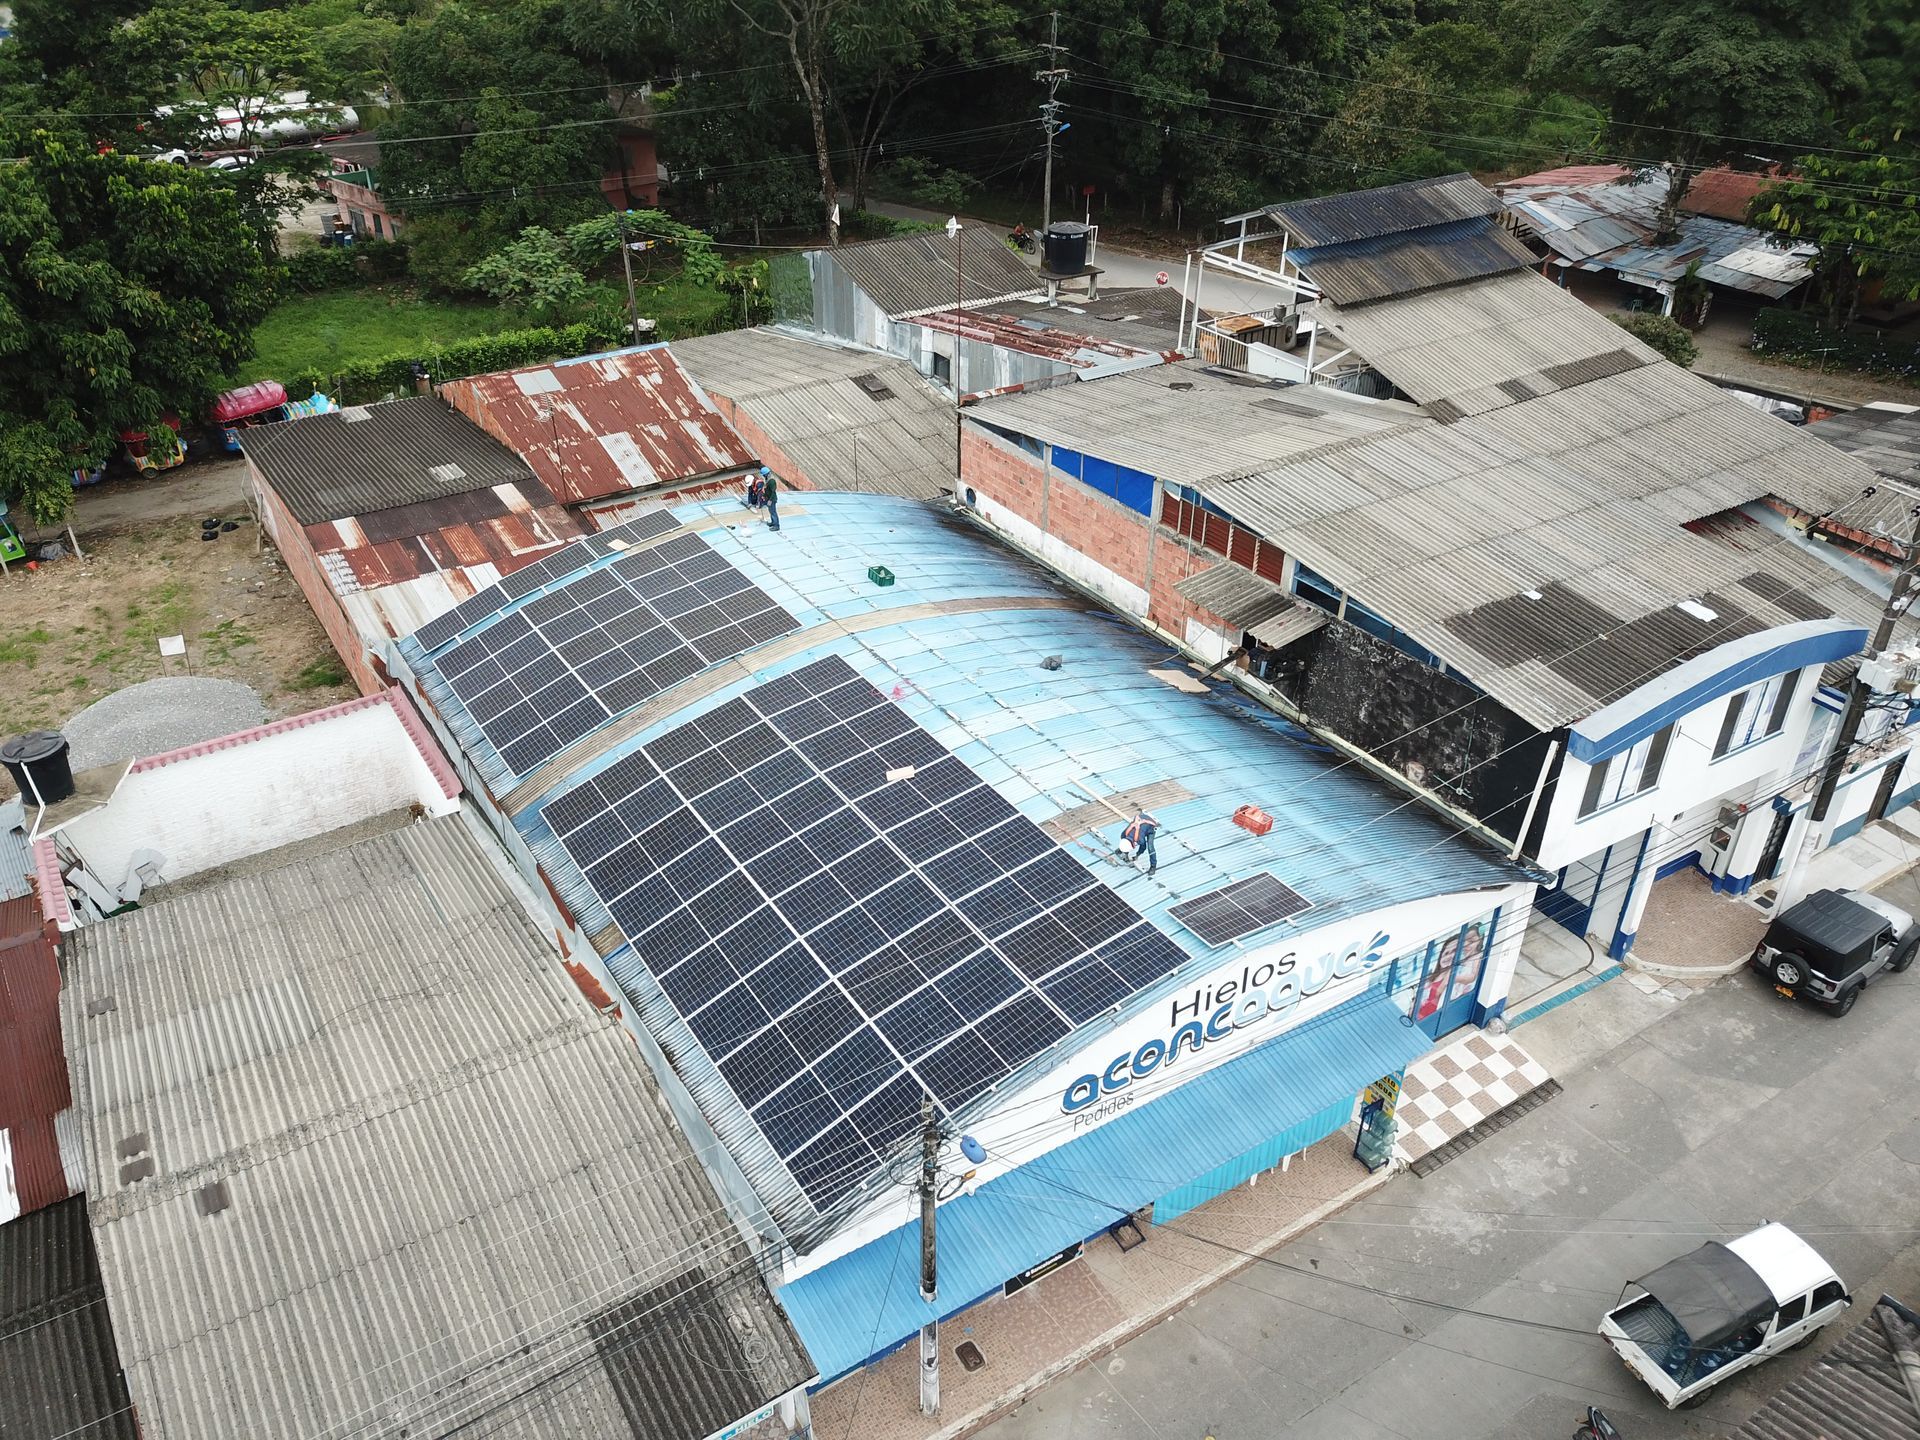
{"type": "Point", "coordinates": [626, 265]}
{"type": "Point", "coordinates": [1050, 115]}
{"type": "Point", "coordinates": [1898, 602]}
{"type": "Point", "coordinates": [953, 368]}
{"type": "Point", "coordinates": [929, 1283]}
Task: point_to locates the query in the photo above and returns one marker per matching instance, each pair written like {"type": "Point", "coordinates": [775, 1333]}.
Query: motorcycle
{"type": "Point", "coordinates": [1597, 1427]}
{"type": "Point", "coordinates": [1021, 238]}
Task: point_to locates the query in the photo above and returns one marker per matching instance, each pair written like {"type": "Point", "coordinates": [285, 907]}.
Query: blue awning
{"type": "Point", "coordinates": [869, 1300]}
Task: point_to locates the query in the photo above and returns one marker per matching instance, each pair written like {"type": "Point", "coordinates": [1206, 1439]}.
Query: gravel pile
{"type": "Point", "coordinates": [160, 715]}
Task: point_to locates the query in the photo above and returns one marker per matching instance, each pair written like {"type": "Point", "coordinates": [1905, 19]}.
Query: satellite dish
{"type": "Point", "coordinates": [975, 1152]}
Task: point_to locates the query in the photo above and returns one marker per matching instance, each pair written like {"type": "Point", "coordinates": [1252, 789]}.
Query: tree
{"type": "Point", "coordinates": [498, 126]}
{"type": "Point", "coordinates": [536, 271]}
{"type": "Point", "coordinates": [818, 39]}
{"type": "Point", "coordinates": [1662, 333]}
{"type": "Point", "coordinates": [1688, 84]}
{"type": "Point", "coordinates": [1861, 211]}
{"type": "Point", "coordinates": [127, 290]}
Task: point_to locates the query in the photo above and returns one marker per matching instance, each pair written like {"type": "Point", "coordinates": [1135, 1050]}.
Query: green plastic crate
{"type": "Point", "coordinates": [880, 574]}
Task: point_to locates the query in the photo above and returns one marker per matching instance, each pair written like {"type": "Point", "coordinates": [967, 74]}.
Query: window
{"type": "Point", "coordinates": [1831, 1293]}
{"type": "Point", "coordinates": [1315, 591]}
{"type": "Point", "coordinates": [1623, 776]}
{"type": "Point", "coordinates": [1756, 714]}
{"type": "Point", "coordinates": [1791, 1313]}
{"type": "Point", "coordinates": [378, 225]}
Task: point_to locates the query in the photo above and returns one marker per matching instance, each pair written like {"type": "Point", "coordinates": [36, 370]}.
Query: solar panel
{"type": "Point", "coordinates": [841, 944]}
{"type": "Point", "coordinates": [543, 677]}
{"type": "Point", "coordinates": [1240, 909]}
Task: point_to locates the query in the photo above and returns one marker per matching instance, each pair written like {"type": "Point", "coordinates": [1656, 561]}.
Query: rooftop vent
{"type": "Point", "coordinates": [873, 385]}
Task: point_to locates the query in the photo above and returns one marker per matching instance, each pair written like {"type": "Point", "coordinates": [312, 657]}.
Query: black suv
{"type": "Point", "coordinates": [1827, 947]}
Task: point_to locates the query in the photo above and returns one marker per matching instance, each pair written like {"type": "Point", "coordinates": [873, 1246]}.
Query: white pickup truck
{"type": "Point", "coordinates": [1707, 1316]}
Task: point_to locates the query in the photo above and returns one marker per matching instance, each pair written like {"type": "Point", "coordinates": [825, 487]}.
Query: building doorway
{"type": "Point", "coordinates": [1445, 998]}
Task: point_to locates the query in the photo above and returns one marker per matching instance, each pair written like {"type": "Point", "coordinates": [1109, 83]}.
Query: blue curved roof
{"type": "Point", "coordinates": [1051, 704]}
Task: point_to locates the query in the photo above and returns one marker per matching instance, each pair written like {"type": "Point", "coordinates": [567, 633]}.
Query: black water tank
{"type": "Point", "coordinates": [38, 763]}
{"type": "Point", "coordinates": [1064, 247]}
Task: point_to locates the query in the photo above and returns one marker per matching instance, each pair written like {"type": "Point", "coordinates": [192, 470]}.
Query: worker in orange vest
{"type": "Point", "coordinates": [1140, 835]}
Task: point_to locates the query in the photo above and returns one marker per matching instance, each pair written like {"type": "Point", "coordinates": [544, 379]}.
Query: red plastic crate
{"type": "Point", "coordinates": [1252, 817]}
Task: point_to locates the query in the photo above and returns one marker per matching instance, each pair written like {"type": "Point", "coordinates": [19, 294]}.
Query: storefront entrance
{"type": "Point", "coordinates": [1444, 999]}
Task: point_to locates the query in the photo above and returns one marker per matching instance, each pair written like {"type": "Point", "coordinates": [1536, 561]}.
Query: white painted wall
{"type": "Point", "coordinates": [1691, 777]}
{"type": "Point", "coordinates": [213, 808]}
{"type": "Point", "coordinates": [1110, 585]}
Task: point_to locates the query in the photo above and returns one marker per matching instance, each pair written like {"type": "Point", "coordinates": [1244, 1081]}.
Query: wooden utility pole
{"type": "Point", "coordinates": [626, 267]}
{"type": "Point", "coordinates": [929, 1279]}
{"type": "Point", "coordinates": [1050, 115]}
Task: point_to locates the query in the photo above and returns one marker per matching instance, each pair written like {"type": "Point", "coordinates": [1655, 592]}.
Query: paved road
{"type": "Point", "coordinates": [1125, 270]}
{"type": "Point", "coordinates": [1732, 1108]}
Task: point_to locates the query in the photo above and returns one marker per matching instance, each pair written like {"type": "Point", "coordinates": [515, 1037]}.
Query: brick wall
{"type": "Point", "coordinates": [1051, 513]}
{"type": "Point", "coordinates": [291, 540]}
{"type": "Point", "coordinates": [758, 441]}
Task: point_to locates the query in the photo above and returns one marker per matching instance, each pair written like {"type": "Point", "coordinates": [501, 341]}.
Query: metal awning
{"type": "Point", "coordinates": [1294, 623]}
{"type": "Point", "coordinates": [1237, 596]}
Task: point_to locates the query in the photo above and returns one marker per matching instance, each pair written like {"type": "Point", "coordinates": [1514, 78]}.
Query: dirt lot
{"type": "Point", "coordinates": [75, 630]}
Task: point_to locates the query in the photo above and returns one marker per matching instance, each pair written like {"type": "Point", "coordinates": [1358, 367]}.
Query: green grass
{"type": "Point", "coordinates": [319, 332]}
{"type": "Point", "coordinates": [321, 673]}
{"type": "Point", "coordinates": [23, 647]}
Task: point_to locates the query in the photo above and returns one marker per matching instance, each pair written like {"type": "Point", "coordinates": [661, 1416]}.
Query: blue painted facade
{"type": "Point", "coordinates": [868, 1301]}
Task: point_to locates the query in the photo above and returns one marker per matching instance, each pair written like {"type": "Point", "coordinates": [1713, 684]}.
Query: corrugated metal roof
{"type": "Point", "coordinates": [956, 642]}
{"type": "Point", "coordinates": [1888, 440]}
{"type": "Point", "coordinates": [913, 273]}
{"type": "Point", "coordinates": [605, 424]}
{"type": "Point", "coordinates": [1039, 333]}
{"type": "Point", "coordinates": [1388, 210]}
{"type": "Point", "coordinates": [870, 1299]}
{"type": "Point", "coordinates": [801, 395]}
{"type": "Point", "coordinates": [1586, 490]}
{"type": "Point", "coordinates": [1854, 1391]}
{"type": "Point", "coordinates": [367, 458]}
{"type": "Point", "coordinates": [1236, 595]}
{"type": "Point", "coordinates": [59, 1369]}
{"type": "Point", "coordinates": [1188, 422]}
{"type": "Point", "coordinates": [1407, 262]}
{"type": "Point", "coordinates": [1721, 192]}
{"type": "Point", "coordinates": [1610, 222]}
{"type": "Point", "coordinates": [364, 1152]}
{"type": "Point", "coordinates": [1477, 347]}
{"type": "Point", "coordinates": [16, 856]}
{"type": "Point", "coordinates": [34, 1094]}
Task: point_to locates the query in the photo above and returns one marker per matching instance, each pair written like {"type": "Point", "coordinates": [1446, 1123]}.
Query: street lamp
{"type": "Point", "coordinates": [953, 369]}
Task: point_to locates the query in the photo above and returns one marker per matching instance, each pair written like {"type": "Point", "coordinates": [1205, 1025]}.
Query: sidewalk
{"type": "Point", "coordinates": [1091, 1305]}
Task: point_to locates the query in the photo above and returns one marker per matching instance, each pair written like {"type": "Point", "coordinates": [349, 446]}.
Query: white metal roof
{"type": "Point", "coordinates": [1785, 1263]}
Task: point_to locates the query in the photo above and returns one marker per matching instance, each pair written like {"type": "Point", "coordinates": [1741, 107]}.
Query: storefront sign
{"type": "Point", "coordinates": [1214, 1010]}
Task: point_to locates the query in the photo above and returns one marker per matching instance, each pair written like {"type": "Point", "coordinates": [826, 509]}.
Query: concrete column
{"type": "Point", "coordinates": [1508, 937]}
{"type": "Point", "coordinates": [1658, 840]}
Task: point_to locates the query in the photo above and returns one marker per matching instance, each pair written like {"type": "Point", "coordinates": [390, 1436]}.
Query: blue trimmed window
{"type": "Point", "coordinates": [1132, 488]}
{"type": "Point", "coordinates": [1025, 442]}
{"type": "Point", "coordinates": [1757, 713]}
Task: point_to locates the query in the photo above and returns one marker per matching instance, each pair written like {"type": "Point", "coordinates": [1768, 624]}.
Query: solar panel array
{"type": "Point", "coordinates": [528, 578]}
{"type": "Point", "coordinates": [554, 670]}
{"type": "Point", "coordinates": [1240, 908]}
{"type": "Point", "coordinates": [840, 942]}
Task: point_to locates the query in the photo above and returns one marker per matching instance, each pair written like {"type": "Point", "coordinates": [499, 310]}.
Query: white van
{"type": "Point", "coordinates": [1707, 1316]}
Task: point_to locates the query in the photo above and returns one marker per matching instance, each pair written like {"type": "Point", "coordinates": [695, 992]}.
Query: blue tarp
{"type": "Point", "coordinates": [868, 1301]}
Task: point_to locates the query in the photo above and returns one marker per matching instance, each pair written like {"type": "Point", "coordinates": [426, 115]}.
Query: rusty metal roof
{"type": "Point", "coordinates": [605, 424]}
{"type": "Point", "coordinates": [33, 1064]}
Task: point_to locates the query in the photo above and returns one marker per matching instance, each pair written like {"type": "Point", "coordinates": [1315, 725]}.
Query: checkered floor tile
{"type": "Point", "coordinates": [1447, 1093]}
